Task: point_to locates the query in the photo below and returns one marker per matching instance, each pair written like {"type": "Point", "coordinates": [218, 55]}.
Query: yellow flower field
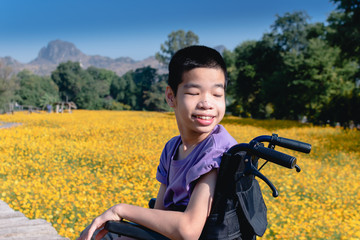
{"type": "Point", "coordinates": [68, 168]}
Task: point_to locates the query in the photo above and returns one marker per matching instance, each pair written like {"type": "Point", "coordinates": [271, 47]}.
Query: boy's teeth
{"type": "Point", "coordinates": [204, 117]}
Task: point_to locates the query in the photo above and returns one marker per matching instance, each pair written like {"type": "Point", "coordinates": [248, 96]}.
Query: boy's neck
{"type": "Point", "coordinates": [184, 151]}
{"type": "Point", "coordinates": [190, 138]}
{"type": "Point", "coordinates": [194, 140]}
{"type": "Point", "coordinates": [188, 145]}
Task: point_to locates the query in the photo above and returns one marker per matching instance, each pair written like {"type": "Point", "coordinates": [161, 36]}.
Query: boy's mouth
{"type": "Point", "coordinates": [203, 117]}
{"type": "Point", "coordinates": [204, 120]}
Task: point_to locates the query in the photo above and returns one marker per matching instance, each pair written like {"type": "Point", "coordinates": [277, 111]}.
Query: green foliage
{"type": "Point", "coordinates": [69, 78]}
{"type": "Point", "coordinates": [8, 85]}
{"type": "Point", "coordinates": [37, 91]}
{"type": "Point", "coordinates": [288, 31]}
{"type": "Point", "coordinates": [342, 108]}
{"type": "Point", "coordinates": [291, 72]}
{"type": "Point", "coordinates": [344, 27]}
{"type": "Point", "coordinates": [230, 58]}
{"type": "Point", "coordinates": [154, 99]}
{"type": "Point", "coordinates": [123, 89]}
{"type": "Point", "coordinates": [176, 41]}
{"type": "Point", "coordinates": [111, 104]}
{"type": "Point", "coordinates": [142, 89]}
{"type": "Point", "coordinates": [96, 88]}
{"type": "Point", "coordinates": [144, 78]}
{"type": "Point", "coordinates": [253, 69]}
{"type": "Point", "coordinates": [84, 87]}
{"type": "Point", "coordinates": [102, 80]}
{"type": "Point", "coordinates": [308, 80]}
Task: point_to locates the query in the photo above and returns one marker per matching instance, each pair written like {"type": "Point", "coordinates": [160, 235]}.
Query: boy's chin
{"type": "Point", "coordinates": [205, 129]}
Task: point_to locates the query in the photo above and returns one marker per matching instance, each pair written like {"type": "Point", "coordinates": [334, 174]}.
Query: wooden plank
{"type": "Point", "coordinates": [13, 214]}
{"type": "Point", "coordinates": [19, 229]}
{"type": "Point", "coordinates": [21, 221]}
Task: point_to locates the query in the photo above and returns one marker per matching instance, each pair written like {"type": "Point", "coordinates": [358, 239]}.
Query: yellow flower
{"type": "Point", "coordinates": [69, 168]}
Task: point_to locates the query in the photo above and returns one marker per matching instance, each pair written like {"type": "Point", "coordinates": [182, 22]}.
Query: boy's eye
{"type": "Point", "coordinates": [192, 93]}
{"type": "Point", "coordinates": [218, 94]}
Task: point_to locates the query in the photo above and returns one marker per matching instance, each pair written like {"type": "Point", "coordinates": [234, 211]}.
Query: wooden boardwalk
{"type": "Point", "coordinates": [14, 225]}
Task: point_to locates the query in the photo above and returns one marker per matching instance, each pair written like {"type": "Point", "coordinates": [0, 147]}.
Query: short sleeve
{"type": "Point", "coordinates": [209, 161]}
{"type": "Point", "coordinates": [161, 174]}
{"type": "Point", "coordinates": [165, 158]}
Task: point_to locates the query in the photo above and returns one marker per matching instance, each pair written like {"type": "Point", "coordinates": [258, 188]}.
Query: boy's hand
{"type": "Point", "coordinates": [99, 222]}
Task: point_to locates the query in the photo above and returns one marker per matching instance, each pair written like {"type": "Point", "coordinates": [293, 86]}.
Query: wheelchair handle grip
{"type": "Point", "coordinates": [291, 144]}
{"type": "Point", "coordinates": [274, 156]}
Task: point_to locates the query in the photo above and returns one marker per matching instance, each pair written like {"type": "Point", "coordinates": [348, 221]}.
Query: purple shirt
{"type": "Point", "coordinates": [180, 176]}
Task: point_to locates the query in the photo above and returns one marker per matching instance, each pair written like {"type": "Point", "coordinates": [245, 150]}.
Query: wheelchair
{"type": "Point", "coordinates": [238, 210]}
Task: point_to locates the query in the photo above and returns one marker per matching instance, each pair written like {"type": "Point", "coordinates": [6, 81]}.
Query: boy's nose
{"type": "Point", "coordinates": [204, 104]}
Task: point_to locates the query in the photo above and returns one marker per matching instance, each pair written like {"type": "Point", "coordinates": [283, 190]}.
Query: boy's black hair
{"type": "Point", "coordinates": [192, 57]}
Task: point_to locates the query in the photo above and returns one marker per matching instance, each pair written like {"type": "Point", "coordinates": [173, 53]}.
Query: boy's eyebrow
{"type": "Point", "coordinates": [220, 85]}
{"type": "Point", "coordinates": [194, 85]}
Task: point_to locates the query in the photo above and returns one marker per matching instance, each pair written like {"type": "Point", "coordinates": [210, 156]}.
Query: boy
{"type": "Point", "coordinates": [188, 164]}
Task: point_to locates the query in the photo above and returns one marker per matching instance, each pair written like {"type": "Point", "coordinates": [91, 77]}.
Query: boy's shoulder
{"type": "Point", "coordinates": [221, 136]}
{"type": "Point", "coordinates": [174, 141]}
{"type": "Point", "coordinates": [219, 141]}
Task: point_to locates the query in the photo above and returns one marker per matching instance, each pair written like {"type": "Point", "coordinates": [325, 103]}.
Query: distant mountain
{"type": "Point", "coordinates": [10, 62]}
{"type": "Point", "coordinates": [59, 51]}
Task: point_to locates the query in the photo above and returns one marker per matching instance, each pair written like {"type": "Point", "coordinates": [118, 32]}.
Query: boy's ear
{"type": "Point", "coordinates": [170, 96]}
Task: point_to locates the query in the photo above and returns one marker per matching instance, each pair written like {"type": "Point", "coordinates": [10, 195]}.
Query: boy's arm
{"type": "Point", "coordinates": [178, 225]}
{"type": "Point", "coordinates": [174, 225]}
{"type": "Point", "coordinates": [159, 203]}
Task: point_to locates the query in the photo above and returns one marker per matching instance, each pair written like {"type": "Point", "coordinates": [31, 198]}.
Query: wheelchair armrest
{"type": "Point", "coordinates": [152, 203]}
{"type": "Point", "coordinates": [129, 229]}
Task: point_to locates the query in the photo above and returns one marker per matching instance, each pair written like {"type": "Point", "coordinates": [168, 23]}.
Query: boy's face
{"type": "Point", "coordinates": [200, 101]}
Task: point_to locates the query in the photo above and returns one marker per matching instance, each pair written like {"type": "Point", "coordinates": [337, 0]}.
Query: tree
{"type": "Point", "coordinates": [309, 80]}
{"type": "Point", "coordinates": [230, 59]}
{"type": "Point", "coordinates": [288, 31]}
{"type": "Point", "coordinates": [256, 65]}
{"type": "Point", "coordinates": [134, 87]}
{"type": "Point", "coordinates": [344, 27]}
{"type": "Point", "coordinates": [8, 85]}
{"type": "Point", "coordinates": [103, 79]}
{"type": "Point", "coordinates": [155, 97]}
{"type": "Point", "coordinates": [33, 89]}
{"type": "Point", "coordinates": [123, 89]}
{"type": "Point", "coordinates": [143, 78]}
{"type": "Point", "coordinates": [77, 85]}
{"type": "Point", "coordinates": [298, 69]}
{"type": "Point", "coordinates": [254, 62]}
{"type": "Point", "coordinates": [290, 72]}
{"type": "Point", "coordinates": [176, 41]}
{"type": "Point", "coordinates": [68, 78]}
{"type": "Point", "coordinates": [342, 108]}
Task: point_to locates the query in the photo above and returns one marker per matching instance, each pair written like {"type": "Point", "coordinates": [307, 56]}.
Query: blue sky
{"type": "Point", "coordinates": [137, 28]}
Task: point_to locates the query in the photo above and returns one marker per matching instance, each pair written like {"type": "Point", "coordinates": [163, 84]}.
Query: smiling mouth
{"type": "Point", "coordinates": [204, 117]}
